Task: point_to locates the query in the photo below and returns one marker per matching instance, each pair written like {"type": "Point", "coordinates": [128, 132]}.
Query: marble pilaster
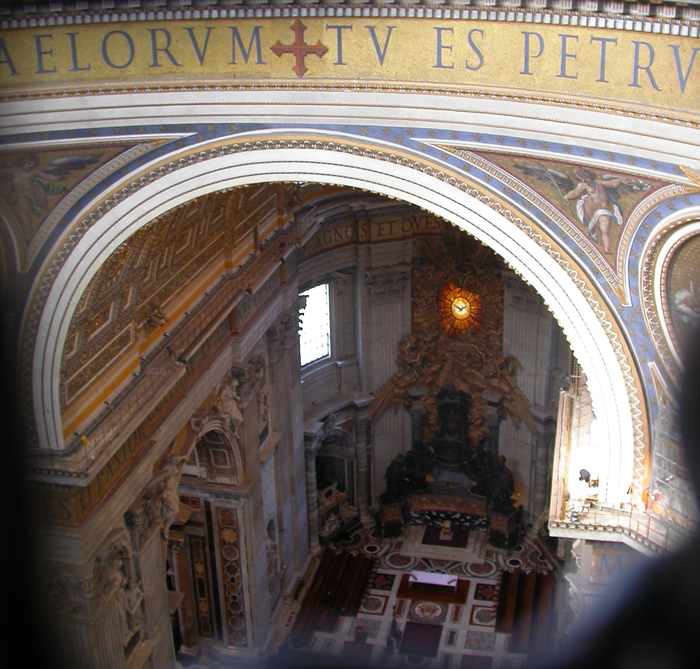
{"type": "Point", "coordinates": [312, 501]}
{"type": "Point", "coordinates": [186, 610]}
{"type": "Point", "coordinates": [362, 426]}
{"type": "Point", "coordinates": [157, 626]}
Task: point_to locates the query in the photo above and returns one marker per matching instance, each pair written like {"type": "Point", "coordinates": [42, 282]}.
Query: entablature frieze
{"type": "Point", "coordinates": [215, 492]}
{"type": "Point", "coordinates": [561, 55]}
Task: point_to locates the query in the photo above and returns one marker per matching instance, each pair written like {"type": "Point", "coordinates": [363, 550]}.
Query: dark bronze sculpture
{"type": "Point", "coordinates": [450, 449]}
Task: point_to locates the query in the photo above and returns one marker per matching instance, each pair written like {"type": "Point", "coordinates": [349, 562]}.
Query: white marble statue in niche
{"type": "Point", "coordinates": [227, 406]}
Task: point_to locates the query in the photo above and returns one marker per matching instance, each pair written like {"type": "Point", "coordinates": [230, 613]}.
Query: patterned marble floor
{"type": "Point", "coordinates": [467, 636]}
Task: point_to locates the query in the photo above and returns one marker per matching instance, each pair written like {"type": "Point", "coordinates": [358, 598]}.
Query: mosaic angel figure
{"type": "Point", "coordinates": [596, 196]}
{"type": "Point", "coordinates": [27, 186]}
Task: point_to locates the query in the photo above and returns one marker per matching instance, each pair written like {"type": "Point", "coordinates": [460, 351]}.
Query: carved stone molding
{"type": "Point", "coordinates": [387, 284]}
{"type": "Point", "coordinates": [251, 378]}
{"type": "Point", "coordinates": [71, 595]}
{"type": "Point", "coordinates": [341, 281]}
{"type": "Point", "coordinates": [282, 335]}
{"type": "Point", "coordinates": [81, 595]}
{"type": "Point", "coordinates": [176, 542]}
{"type": "Point", "coordinates": [275, 347]}
{"type": "Point", "coordinates": [314, 443]}
{"type": "Point", "coordinates": [363, 428]}
{"type": "Point", "coordinates": [595, 9]}
{"type": "Point", "coordinates": [158, 505]}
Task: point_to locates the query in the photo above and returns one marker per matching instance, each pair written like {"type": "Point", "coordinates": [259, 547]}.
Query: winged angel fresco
{"type": "Point", "coordinates": [597, 197]}
{"type": "Point", "coordinates": [28, 186]}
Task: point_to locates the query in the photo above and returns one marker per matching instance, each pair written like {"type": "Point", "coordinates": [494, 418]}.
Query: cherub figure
{"type": "Point", "coordinates": [596, 204]}
{"type": "Point", "coordinates": [27, 186]}
{"type": "Point", "coordinates": [596, 197]}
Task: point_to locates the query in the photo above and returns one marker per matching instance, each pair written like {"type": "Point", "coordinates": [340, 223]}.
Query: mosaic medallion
{"type": "Point", "coordinates": [480, 640]}
{"type": "Point", "coordinates": [485, 592]}
{"type": "Point", "coordinates": [398, 561]}
{"type": "Point", "coordinates": [382, 581]}
{"type": "Point", "coordinates": [484, 616]}
{"type": "Point", "coordinates": [479, 568]}
{"type": "Point", "coordinates": [428, 612]}
{"type": "Point", "coordinates": [369, 627]}
{"type": "Point", "coordinates": [374, 604]}
{"type": "Point", "coordinates": [230, 552]}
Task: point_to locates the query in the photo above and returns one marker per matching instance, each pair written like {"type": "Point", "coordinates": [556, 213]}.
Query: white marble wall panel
{"type": "Point", "coordinates": [296, 473]}
{"type": "Point", "coordinates": [260, 600]}
{"type": "Point", "coordinates": [391, 253]}
{"type": "Point", "coordinates": [392, 432]}
{"type": "Point", "coordinates": [344, 320]}
{"type": "Point", "coordinates": [584, 448]}
{"type": "Point", "coordinates": [349, 376]}
{"type": "Point", "coordinates": [531, 334]}
{"type": "Point", "coordinates": [320, 384]}
{"type": "Point", "coordinates": [107, 642]}
{"type": "Point", "coordinates": [386, 325]}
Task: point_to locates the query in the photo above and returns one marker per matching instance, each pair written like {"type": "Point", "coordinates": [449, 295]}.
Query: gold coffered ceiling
{"type": "Point", "coordinates": [148, 281]}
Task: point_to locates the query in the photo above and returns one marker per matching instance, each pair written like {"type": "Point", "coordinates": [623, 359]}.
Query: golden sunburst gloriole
{"type": "Point", "coordinates": [460, 310]}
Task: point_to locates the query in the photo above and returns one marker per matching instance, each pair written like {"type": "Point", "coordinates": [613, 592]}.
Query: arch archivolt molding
{"type": "Point", "coordinates": [456, 91]}
{"type": "Point", "coordinates": [328, 428]}
{"type": "Point", "coordinates": [102, 226]}
{"type": "Point", "coordinates": [654, 279]}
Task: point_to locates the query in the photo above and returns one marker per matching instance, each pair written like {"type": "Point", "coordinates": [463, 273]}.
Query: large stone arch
{"type": "Point", "coordinates": [577, 307]}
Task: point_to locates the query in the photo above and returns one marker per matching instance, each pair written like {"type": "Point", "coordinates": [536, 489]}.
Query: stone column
{"type": "Point", "coordinates": [186, 610]}
{"type": "Point", "coordinates": [361, 428]}
{"type": "Point", "coordinates": [312, 501]}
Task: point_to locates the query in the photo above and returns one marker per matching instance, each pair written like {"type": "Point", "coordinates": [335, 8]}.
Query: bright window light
{"type": "Point", "coordinates": [315, 333]}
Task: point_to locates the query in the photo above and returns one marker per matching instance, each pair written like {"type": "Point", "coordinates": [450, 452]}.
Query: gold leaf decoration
{"type": "Point", "coordinates": [473, 361]}
{"type": "Point", "coordinates": [460, 310]}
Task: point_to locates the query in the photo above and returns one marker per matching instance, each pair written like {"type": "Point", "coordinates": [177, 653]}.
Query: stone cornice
{"type": "Point", "coordinates": [583, 12]}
